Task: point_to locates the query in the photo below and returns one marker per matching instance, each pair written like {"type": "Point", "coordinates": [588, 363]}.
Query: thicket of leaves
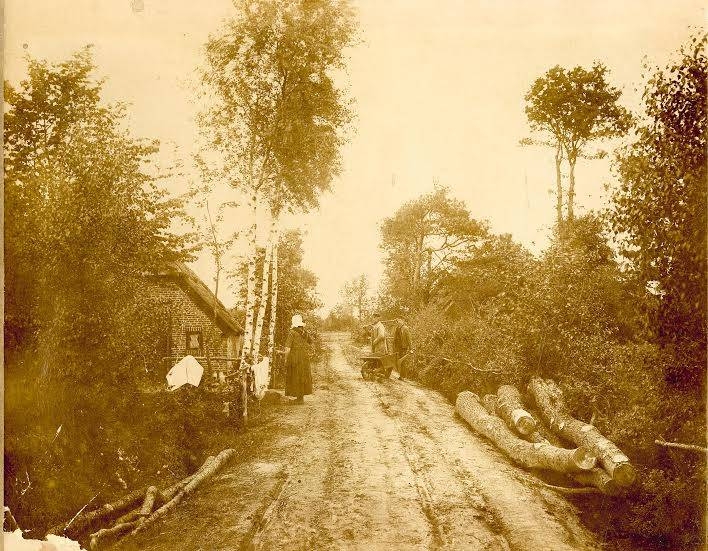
{"type": "Point", "coordinates": [574, 316]}
{"type": "Point", "coordinates": [628, 352]}
{"type": "Point", "coordinates": [85, 219]}
{"type": "Point", "coordinates": [661, 205]}
{"type": "Point", "coordinates": [421, 241]}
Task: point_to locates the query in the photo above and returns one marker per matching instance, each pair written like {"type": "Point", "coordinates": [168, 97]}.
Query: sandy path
{"type": "Point", "coordinates": [366, 465]}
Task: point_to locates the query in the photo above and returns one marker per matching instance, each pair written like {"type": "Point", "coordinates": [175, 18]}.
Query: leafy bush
{"type": "Point", "coordinates": [574, 316]}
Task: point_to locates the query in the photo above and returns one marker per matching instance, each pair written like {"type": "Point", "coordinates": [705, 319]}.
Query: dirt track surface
{"type": "Point", "coordinates": [368, 465]}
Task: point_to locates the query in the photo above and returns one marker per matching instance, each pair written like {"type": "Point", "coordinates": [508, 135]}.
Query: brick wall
{"type": "Point", "coordinates": [187, 316]}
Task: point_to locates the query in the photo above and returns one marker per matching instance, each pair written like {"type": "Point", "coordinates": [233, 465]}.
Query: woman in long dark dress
{"type": "Point", "coordinates": [298, 375]}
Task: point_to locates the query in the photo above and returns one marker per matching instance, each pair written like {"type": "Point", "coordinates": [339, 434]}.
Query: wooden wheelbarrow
{"type": "Point", "coordinates": [377, 366]}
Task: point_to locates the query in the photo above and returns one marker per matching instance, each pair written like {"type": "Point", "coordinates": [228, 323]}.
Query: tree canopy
{"type": "Point", "coordinates": [660, 204]}
{"type": "Point", "coordinates": [421, 240]}
{"type": "Point", "coordinates": [574, 108]}
{"type": "Point", "coordinates": [278, 117]}
{"type": "Point", "coordinates": [85, 220]}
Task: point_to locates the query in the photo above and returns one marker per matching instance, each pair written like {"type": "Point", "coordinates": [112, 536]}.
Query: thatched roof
{"type": "Point", "coordinates": [201, 294]}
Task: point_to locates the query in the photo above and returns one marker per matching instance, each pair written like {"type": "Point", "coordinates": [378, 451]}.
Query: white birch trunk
{"type": "Point", "coordinates": [250, 281]}
{"type": "Point", "coordinates": [264, 294]}
{"type": "Point", "coordinates": [273, 296]}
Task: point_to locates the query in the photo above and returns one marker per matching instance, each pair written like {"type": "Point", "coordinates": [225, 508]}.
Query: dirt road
{"type": "Point", "coordinates": [367, 465]}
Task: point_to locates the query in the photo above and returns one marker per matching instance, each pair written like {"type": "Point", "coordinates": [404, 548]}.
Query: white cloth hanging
{"type": "Point", "coordinates": [186, 371]}
{"type": "Point", "coordinates": [261, 377]}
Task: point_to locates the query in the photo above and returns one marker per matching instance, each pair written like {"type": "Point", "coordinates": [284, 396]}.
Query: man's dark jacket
{"type": "Point", "coordinates": [402, 339]}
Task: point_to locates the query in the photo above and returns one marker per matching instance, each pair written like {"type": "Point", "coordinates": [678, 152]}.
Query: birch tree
{"type": "Point", "coordinates": [266, 296]}
{"type": "Point", "coordinates": [273, 296]}
{"type": "Point", "coordinates": [276, 116]}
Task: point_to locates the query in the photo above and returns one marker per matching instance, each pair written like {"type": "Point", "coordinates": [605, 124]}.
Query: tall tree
{"type": "Point", "coordinates": [575, 108]}
{"type": "Point", "coordinates": [356, 295]}
{"type": "Point", "coordinates": [277, 115]}
{"type": "Point", "coordinates": [297, 286]}
{"type": "Point", "coordinates": [660, 203]}
{"type": "Point", "coordinates": [85, 220]}
{"type": "Point", "coordinates": [421, 241]}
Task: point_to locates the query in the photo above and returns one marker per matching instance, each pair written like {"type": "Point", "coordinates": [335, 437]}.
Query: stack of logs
{"type": "Point", "coordinates": [590, 459]}
{"type": "Point", "coordinates": [133, 513]}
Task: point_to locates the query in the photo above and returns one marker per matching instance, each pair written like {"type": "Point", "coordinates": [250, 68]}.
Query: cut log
{"type": "Point", "coordinates": [544, 434]}
{"type": "Point", "coordinates": [540, 455]}
{"type": "Point", "coordinates": [511, 409]}
{"type": "Point", "coordinates": [105, 514]}
{"type": "Point", "coordinates": [199, 478]}
{"type": "Point", "coordinates": [149, 501]}
{"type": "Point", "coordinates": [549, 399]}
{"type": "Point", "coordinates": [600, 479]}
{"type": "Point", "coordinates": [489, 401]}
{"type": "Point", "coordinates": [106, 536]}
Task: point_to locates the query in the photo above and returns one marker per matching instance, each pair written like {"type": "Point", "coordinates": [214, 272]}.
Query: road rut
{"type": "Point", "coordinates": [368, 465]}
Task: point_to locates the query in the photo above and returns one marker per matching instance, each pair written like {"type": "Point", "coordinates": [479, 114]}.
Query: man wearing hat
{"type": "Point", "coordinates": [378, 336]}
{"type": "Point", "coordinates": [401, 346]}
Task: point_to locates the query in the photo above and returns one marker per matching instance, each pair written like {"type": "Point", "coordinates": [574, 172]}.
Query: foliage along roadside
{"type": "Point", "coordinates": [624, 337]}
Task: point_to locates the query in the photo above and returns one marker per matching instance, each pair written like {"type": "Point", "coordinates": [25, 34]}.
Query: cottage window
{"type": "Point", "coordinates": [194, 341]}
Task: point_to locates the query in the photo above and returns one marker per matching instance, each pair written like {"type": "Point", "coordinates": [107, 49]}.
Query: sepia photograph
{"type": "Point", "coordinates": [355, 275]}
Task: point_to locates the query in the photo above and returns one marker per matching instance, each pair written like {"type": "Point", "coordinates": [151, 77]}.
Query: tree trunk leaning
{"type": "Point", "coordinates": [538, 455]}
{"type": "Point", "coordinates": [549, 399]}
{"type": "Point", "coordinates": [511, 409]}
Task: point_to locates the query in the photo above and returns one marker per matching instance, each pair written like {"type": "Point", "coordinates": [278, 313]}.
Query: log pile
{"type": "Point", "coordinates": [133, 513]}
{"type": "Point", "coordinates": [549, 399]}
{"type": "Point", "coordinates": [549, 440]}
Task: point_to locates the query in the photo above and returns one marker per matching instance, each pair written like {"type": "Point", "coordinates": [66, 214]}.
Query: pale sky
{"type": "Point", "coordinates": [438, 85]}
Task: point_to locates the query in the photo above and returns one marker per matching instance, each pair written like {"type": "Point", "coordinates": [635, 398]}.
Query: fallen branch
{"type": "Point", "coordinates": [112, 534]}
{"type": "Point", "coordinates": [165, 495]}
{"type": "Point", "coordinates": [539, 455]}
{"type": "Point", "coordinates": [149, 502]}
{"type": "Point", "coordinates": [549, 399]}
{"type": "Point", "coordinates": [678, 445]}
{"type": "Point", "coordinates": [458, 362]}
{"type": "Point", "coordinates": [199, 478]}
{"type": "Point", "coordinates": [133, 519]}
{"type": "Point", "coordinates": [104, 514]}
{"type": "Point", "coordinates": [566, 490]}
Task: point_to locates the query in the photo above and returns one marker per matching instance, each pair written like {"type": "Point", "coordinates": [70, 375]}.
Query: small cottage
{"type": "Point", "coordinates": [199, 324]}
